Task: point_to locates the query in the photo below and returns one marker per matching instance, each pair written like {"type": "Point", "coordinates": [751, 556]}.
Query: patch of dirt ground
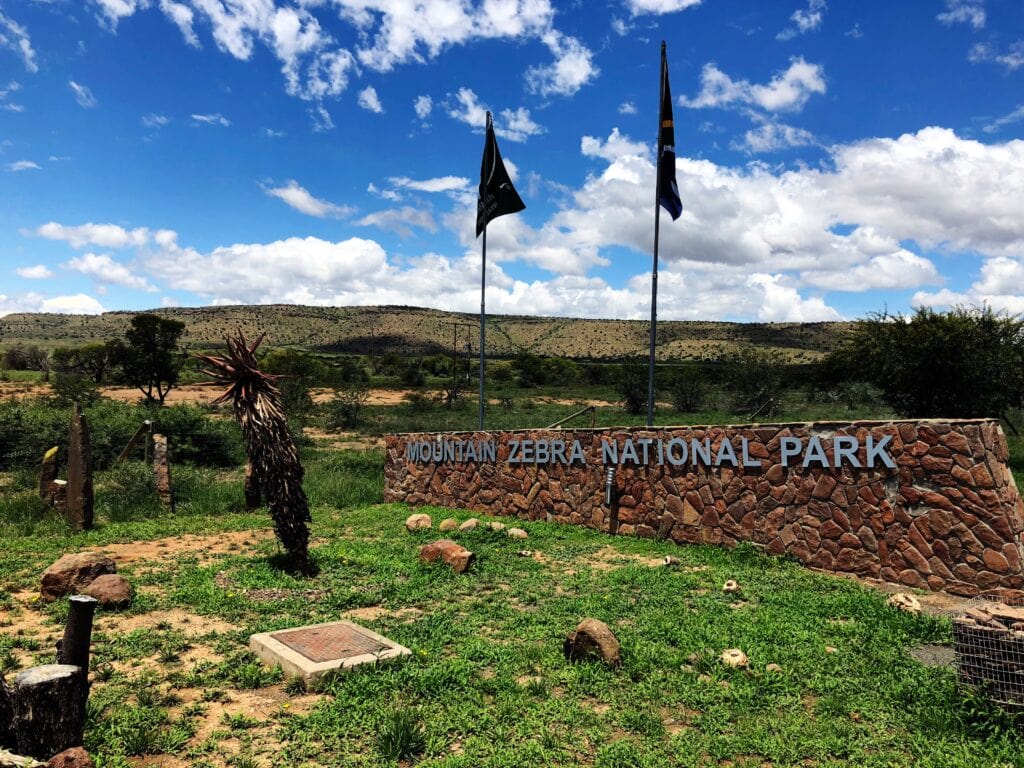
{"type": "Point", "coordinates": [204, 548]}
{"type": "Point", "coordinates": [608, 558]}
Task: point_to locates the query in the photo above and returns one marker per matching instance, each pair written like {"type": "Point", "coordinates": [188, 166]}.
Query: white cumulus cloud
{"type": "Point", "coordinates": [35, 272]}
{"type": "Point", "coordinates": [370, 101]}
{"type": "Point", "coordinates": [298, 197]}
{"type": "Point", "coordinates": [106, 271]}
{"type": "Point", "coordinates": [787, 91]}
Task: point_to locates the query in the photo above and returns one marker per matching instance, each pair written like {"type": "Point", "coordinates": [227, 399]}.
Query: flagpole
{"type": "Point", "coordinates": [654, 270]}
{"type": "Point", "coordinates": [483, 285]}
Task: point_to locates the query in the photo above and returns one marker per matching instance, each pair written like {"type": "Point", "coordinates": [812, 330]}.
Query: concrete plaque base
{"type": "Point", "coordinates": [309, 652]}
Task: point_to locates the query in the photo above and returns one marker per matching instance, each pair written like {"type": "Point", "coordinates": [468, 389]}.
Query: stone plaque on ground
{"type": "Point", "coordinates": [309, 652]}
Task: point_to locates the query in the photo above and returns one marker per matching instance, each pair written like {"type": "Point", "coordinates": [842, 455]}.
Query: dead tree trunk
{"type": "Point", "coordinates": [6, 716]}
{"type": "Point", "coordinates": [49, 709]}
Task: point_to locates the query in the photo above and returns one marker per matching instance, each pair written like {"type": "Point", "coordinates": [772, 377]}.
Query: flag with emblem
{"type": "Point", "coordinates": [497, 195]}
{"type": "Point", "coordinates": [668, 191]}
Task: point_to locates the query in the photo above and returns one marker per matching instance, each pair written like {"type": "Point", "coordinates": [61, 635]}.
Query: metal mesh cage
{"type": "Point", "coordinates": [988, 642]}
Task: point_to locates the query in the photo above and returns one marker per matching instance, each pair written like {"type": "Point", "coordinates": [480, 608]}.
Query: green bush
{"type": "Point", "coordinates": [967, 362]}
{"type": "Point", "coordinates": [631, 385]}
{"type": "Point", "coordinates": [345, 410]}
{"type": "Point", "coordinates": [28, 428]}
{"type": "Point", "coordinates": [688, 390]}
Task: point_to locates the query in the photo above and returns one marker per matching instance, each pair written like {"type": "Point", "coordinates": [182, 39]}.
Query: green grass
{"type": "Point", "coordinates": [487, 684]}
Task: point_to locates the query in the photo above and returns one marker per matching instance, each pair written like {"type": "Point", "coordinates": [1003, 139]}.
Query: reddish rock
{"type": "Point", "coordinates": [457, 557]}
{"type": "Point", "coordinates": [110, 591]}
{"type": "Point", "coordinates": [995, 561]}
{"type": "Point", "coordinates": [593, 639]}
{"type": "Point", "coordinates": [73, 573]}
{"type": "Point", "coordinates": [76, 757]}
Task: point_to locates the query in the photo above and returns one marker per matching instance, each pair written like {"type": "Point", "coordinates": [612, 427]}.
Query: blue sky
{"type": "Point", "coordinates": [834, 159]}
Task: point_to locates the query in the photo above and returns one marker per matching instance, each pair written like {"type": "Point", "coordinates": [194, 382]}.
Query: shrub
{"type": "Point", "coordinates": [688, 390]}
{"type": "Point", "coordinates": [412, 374]}
{"type": "Point", "coordinates": [966, 362]}
{"type": "Point", "coordinates": [345, 410]}
{"type": "Point", "coordinates": [632, 385]}
{"type": "Point", "coordinates": [69, 388]}
{"type": "Point", "coordinates": [754, 377]}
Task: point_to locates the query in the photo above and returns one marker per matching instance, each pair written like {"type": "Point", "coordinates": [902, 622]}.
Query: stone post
{"type": "Point", "coordinates": [253, 495]}
{"type": "Point", "coordinates": [79, 488]}
{"type": "Point", "coordinates": [47, 474]}
{"type": "Point", "coordinates": [162, 472]}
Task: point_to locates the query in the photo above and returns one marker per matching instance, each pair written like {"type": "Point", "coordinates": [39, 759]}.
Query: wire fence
{"type": "Point", "coordinates": [988, 643]}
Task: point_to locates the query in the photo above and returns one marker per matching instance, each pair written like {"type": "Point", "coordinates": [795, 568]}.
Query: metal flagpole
{"type": "Point", "coordinates": [654, 271]}
{"type": "Point", "coordinates": [483, 285]}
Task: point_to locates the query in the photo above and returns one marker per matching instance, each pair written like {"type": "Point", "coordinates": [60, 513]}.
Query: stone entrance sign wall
{"type": "Point", "coordinates": [938, 509]}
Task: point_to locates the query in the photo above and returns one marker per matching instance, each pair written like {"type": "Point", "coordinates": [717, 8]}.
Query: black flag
{"type": "Point", "coordinates": [497, 195]}
{"type": "Point", "coordinates": [668, 192]}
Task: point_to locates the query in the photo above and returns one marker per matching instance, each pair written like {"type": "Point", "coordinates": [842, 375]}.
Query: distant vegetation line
{"type": "Point", "coordinates": [417, 331]}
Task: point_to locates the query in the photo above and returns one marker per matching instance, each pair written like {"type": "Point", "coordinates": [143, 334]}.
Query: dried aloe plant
{"type": "Point", "coordinates": [268, 442]}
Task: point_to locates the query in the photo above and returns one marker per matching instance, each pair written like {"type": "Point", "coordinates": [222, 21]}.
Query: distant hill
{"type": "Point", "coordinates": [415, 331]}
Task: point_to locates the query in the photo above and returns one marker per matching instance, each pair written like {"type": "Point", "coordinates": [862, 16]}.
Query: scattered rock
{"type": "Point", "coordinates": [731, 586]}
{"type": "Point", "coordinates": [773, 668]}
{"type": "Point", "coordinates": [111, 591]}
{"type": "Point", "coordinates": [73, 573]}
{"type": "Point", "coordinates": [469, 525]}
{"type": "Point", "coordinates": [525, 553]}
{"type": "Point", "coordinates": [496, 526]}
{"type": "Point", "coordinates": [448, 524]}
{"type": "Point", "coordinates": [904, 602]}
{"type": "Point", "coordinates": [516, 533]}
{"type": "Point", "coordinates": [76, 757]}
{"type": "Point", "coordinates": [670, 561]}
{"type": "Point", "coordinates": [735, 658]}
{"type": "Point", "coordinates": [418, 522]}
{"type": "Point", "coordinates": [831, 649]}
{"type": "Point", "coordinates": [457, 557]}
{"type": "Point", "coordinates": [593, 638]}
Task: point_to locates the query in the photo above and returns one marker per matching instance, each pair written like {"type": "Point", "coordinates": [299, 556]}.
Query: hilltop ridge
{"type": "Point", "coordinates": [419, 331]}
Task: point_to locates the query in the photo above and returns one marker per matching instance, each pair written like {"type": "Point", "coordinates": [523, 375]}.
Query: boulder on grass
{"type": "Point", "coordinates": [469, 525]}
{"type": "Point", "coordinates": [73, 573]}
{"type": "Point", "coordinates": [593, 638]}
{"type": "Point", "coordinates": [456, 556]}
{"type": "Point", "coordinates": [516, 533]}
{"type": "Point", "coordinates": [418, 522]}
{"type": "Point", "coordinates": [448, 524]}
{"type": "Point", "coordinates": [110, 591]}
{"type": "Point", "coordinates": [76, 757]}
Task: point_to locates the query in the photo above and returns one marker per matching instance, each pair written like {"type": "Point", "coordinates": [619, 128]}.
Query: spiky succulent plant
{"type": "Point", "coordinates": [268, 441]}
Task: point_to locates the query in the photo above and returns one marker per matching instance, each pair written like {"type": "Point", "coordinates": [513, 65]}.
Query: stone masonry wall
{"type": "Point", "coordinates": [947, 517]}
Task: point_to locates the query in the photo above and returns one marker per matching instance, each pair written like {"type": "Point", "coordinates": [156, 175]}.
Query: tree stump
{"type": "Point", "coordinates": [73, 649]}
{"type": "Point", "coordinates": [6, 715]}
{"type": "Point", "coordinates": [79, 488]}
{"type": "Point", "coordinates": [49, 709]}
